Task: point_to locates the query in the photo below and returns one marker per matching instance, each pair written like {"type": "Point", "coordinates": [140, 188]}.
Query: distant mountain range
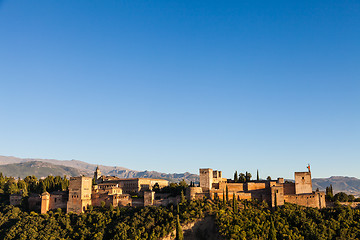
{"type": "Point", "coordinates": [39, 169]}
{"type": "Point", "coordinates": [22, 167]}
{"type": "Point", "coordinates": [349, 185]}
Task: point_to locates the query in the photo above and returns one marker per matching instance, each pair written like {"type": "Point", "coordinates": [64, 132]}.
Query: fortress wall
{"type": "Point", "coordinates": [58, 201]}
{"type": "Point", "coordinates": [149, 197]}
{"type": "Point", "coordinates": [234, 187]}
{"type": "Point", "coordinates": [191, 192]}
{"type": "Point", "coordinates": [289, 188]}
{"type": "Point", "coordinates": [277, 196]}
{"type": "Point", "coordinates": [261, 194]}
{"type": "Point", "coordinates": [316, 200]}
{"type": "Point", "coordinates": [15, 199]}
{"type": "Point", "coordinates": [250, 186]}
{"type": "Point", "coordinates": [238, 195]}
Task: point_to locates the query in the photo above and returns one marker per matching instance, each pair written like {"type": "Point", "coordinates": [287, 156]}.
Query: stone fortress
{"type": "Point", "coordinates": [108, 190]}
{"type": "Point", "coordinates": [114, 191]}
{"type": "Point", "coordinates": [275, 192]}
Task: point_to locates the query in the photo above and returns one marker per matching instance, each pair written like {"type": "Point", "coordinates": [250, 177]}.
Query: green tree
{"type": "Point", "coordinates": [235, 176]}
{"type": "Point", "coordinates": [10, 186]}
{"type": "Point", "coordinates": [242, 178]}
{"type": "Point", "coordinates": [223, 198]}
{"type": "Point", "coordinates": [272, 235]}
{"type": "Point", "coordinates": [234, 203]}
{"type": "Point", "coordinates": [182, 198]}
{"type": "Point", "coordinates": [156, 187]}
{"type": "Point", "coordinates": [179, 231]}
{"type": "Point", "coordinates": [227, 194]}
{"type": "Point", "coordinates": [248, 176]}
{"type": "Point", "coordinates": [341, 197]}
{"type": "Point", "coordinates": [257, 175]}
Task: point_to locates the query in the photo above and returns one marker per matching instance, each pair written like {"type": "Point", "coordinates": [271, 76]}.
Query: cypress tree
{"type": "Point", "coordinates": [272, 234]}
{"type": "Point", "coordinates": [179, 232]}
{"type": "Point", "coordinates": [257, 175]}
{"type": "Point", "coordinates": [331, 190]}
{"type": "Point", "coordinates": [234, 200]}
{"type": "Point", "coordinates": [227, 194]}
{"type": "Point", "coordinates": [235, 176]}
{"type": "Point", "coordinates": [182, 197]}
{"type": "Point", "coordinates": [223, 198]}
{"type": "Point", "coordinates": [236, 206]}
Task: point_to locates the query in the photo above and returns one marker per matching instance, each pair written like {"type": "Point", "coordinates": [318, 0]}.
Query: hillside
{"type": "Point", "coordinates": [349, 185]}
{"type": "Point", "coordinates": [173, 177]}
{"type": "Point", "coordinates": [14, 165]}
{"type": "Point", "coordinates": [39, 169]}
{"type": "Point", "coordinates": [88, 167]}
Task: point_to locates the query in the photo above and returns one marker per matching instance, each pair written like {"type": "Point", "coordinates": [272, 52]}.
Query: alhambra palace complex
{"type": "Point", "coordinates": [115, 191]}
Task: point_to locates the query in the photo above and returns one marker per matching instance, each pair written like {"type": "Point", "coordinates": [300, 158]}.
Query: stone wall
{"type": "Point", "coordinates": [303, 182]}
{"type": "Point", "coordinates": [149, 197]}
{"type": "Point", "coordinates": [250, 186]}
{"type": "Point", "coordinates": [234, 187]}
{"type": "Point", "coordinates": [192, 191]}
{"type": "Point", "coordinates": [15, 199]}
{"type": "Point", "coordinates": [277, 196]}
{"type": "Point", "coordinates": [316, 200]}
{"type": "Point", "coordinates": [289, 188]}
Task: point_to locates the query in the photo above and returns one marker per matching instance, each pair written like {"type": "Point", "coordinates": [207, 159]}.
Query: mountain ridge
{"type": "Point", "coordinates": [88, 169]}
{"type": "Point", "coordinates": [349, 185]}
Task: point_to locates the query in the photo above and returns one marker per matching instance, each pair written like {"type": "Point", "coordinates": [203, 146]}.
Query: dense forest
{"type": "Point", "coordinates": [30, 184]}
{"type": "Point", "coordinates": [256, 221]}
{"type": "Point", "coordinates": [234, 219]}
{"type": "Point", "coordinates": [98, 223]}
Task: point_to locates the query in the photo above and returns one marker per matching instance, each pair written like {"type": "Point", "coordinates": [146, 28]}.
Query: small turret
{"type": "Point", "coordinates": [97, 173]}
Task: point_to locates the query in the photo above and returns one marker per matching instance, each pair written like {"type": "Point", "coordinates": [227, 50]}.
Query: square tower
{"type": "Point", "coordinates": [303, 182]}
{"type": "Point", "coordinates": [206, 178]}
{"type": "Point", "coordinates": [79, 194]}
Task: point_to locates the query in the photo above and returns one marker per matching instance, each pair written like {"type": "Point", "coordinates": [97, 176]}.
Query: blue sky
{"type": "Point", "coordinates": [174, 86]}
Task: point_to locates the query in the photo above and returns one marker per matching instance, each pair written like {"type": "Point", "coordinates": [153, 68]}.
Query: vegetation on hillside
{"type": "Point", "coordinates": [235, 220]}
{"type": "Point", "coordinates": [257, 221]}
{"type": "Point", "coordinates": [30, 184]}
{"type": "Point", "coordinates": [98, 223]}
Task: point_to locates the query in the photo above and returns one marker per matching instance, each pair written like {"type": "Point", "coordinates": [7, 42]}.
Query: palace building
{"type": "Point", "coordinates": [275, 192]}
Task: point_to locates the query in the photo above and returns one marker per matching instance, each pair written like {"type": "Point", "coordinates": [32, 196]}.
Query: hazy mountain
{"type": "Point", "coordinates": [38, 169]}
{"type": "Point", "coordinates": [174, 177]}
{"type": "Point", "coordinates": [349, 185]}
{"type": "Point", "coordinates": [88, 167]}
{"type": "Point", "coordinates": [13, 165]}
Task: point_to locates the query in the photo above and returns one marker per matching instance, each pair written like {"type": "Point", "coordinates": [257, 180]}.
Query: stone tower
{"type": "Point", "coordinates": [303, 182]}
{"type": "Point", "coordinates": [79, 194]}
{"type": "Point", "coordinates": [206, 178]}
{"type": "Point", "coordinates": [97, 173]}
{"type": "Point", "coordinates": [45, 202]}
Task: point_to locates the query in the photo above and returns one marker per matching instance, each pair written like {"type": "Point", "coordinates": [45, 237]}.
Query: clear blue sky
{"type": "Point", "coordinates": [174, 86]}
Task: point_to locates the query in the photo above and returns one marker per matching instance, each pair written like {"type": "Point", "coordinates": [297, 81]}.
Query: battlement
{"type": "Point", "coordinates": [275, 192]}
